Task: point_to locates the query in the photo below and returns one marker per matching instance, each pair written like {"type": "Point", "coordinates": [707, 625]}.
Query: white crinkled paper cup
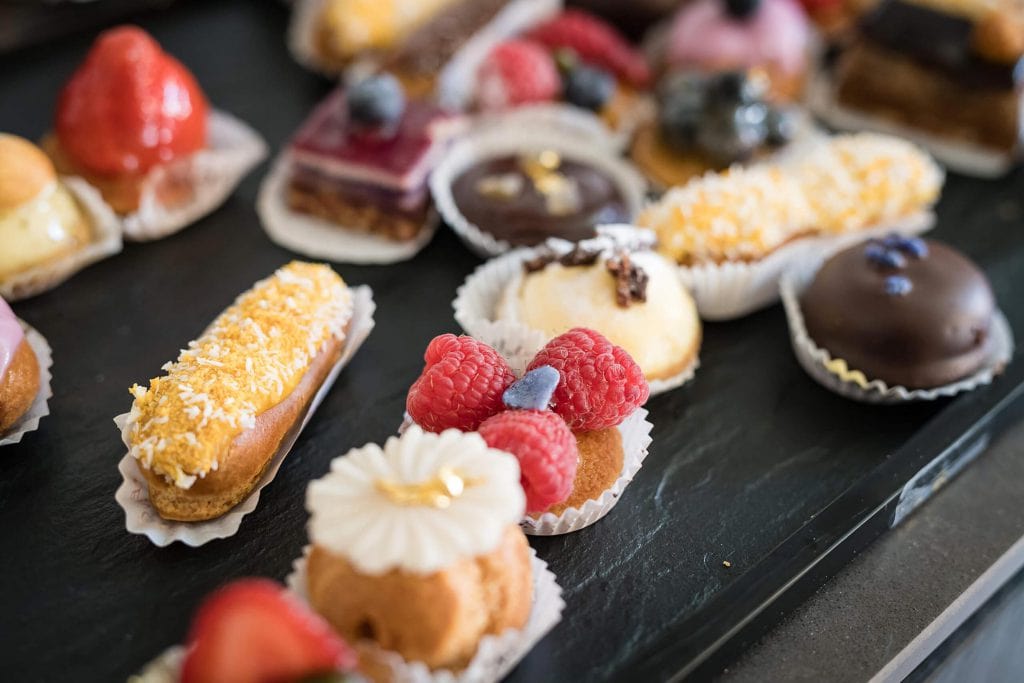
{"type": "Point", "coordinates": [476, 309]}
{"type": "Point", "coordinates": [816, 360]}
{"type": "Point", "coordinates": [319, 238]}
{"type": "Point", "coordinates": [961, 156]}
{"type": "Point", "coordinates": [733, 289]}
{"type": "Point", "coordinates": [212, 173]}
{"type": "Point", "coordinates": [40, 408]}
{"type": "Point", "coordinates": [569, 121]}
{"type": "Point", "coordinates": [490, 142]}
{"type": "Point", "coordinates": [105, 227]}
{"type": "Point", "coordinates": [495, 656]}
{"type": "Point", "coordinates": [636, 439]}
{"type": "Point", "coordinates": [133, 493]}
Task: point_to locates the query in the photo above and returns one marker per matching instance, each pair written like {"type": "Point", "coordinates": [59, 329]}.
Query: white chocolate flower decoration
{"type": "Point", "coordinates": [420, 504]}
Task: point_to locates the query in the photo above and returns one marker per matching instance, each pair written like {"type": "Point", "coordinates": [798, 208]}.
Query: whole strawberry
{"type": "Point", "coordinates": [546, 450]}
{"type": "Point", "coordinates": [517, 72]}
{"type": "Point", "coordinates": [594, 41]}
{"type": "Point", "coordinates": [461, 385]}
{"type": "Point", "coordinates": [253, 631]}
{"type": "Point", "coordinates": [600, 383]}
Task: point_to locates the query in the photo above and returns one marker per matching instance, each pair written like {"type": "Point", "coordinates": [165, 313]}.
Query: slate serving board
{"type": "Point", "coordinates": [752, 463]}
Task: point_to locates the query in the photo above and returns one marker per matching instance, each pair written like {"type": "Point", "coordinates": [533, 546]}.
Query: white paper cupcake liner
{"type": "Point", "coordinates": [40, 408]}
{"type": "Point", "coordinates": [493, 142]}
{"type": "Point", "coordinates": [733, 289]}
{"type": "Point", "coordinates": [212, 173]}
{"type": "Point", "coordinates": [476, 310]}
{"type": "Point", "coordinates": [133, 494]}
{"type": "Point", "coordinates": [961, 156]}
{"type": "Point", "coordinates": [495, 656]}
{"type": "Point", "coordinates": [321, 239]}
{"type": "Point", "coordinates": [105, 227]}
{"type": "Point", "coordinates": [566, 120]}
{"type": "Point", "coordinates": [301, 37]}
{"type": "Point", "coordinates": [816, 360]}
{"type": "Point", "coordinates": [636, 439]}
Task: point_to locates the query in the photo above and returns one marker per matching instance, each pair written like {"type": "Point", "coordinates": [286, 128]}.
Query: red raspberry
{"type": "Point", "coordinates": [461, 385]}
{"type": "Point", "coordinates": [546, 450]}
{"type": "Point", "coordinates": [595, 41]}
{"type": "Point", "coordinates": [517, 72]}
{"type": "Point", "coordinates": [601, 383]}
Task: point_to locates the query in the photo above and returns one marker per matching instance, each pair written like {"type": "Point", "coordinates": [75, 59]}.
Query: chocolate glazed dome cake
{"type": "Point", "coordinates": [905, 311]}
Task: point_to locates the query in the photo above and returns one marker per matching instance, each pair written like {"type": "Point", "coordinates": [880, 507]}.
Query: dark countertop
{"type": "Point", "coordinates": [896, 603]}
{"type": "Point", "coordinates": [743, 457]}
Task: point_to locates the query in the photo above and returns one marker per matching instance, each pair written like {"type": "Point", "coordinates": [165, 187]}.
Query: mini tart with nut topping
{"type": "Point", "coordinates": [844, 185]}
{"type": "Point", "coordinates": [416, 547]}
{"type": "Point", "coordinates": [205, 431]}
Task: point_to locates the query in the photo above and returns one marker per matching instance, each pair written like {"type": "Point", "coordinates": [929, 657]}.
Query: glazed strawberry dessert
{"type": "Point", "coordinates": [560, 419]}
{"type": "Point", "coordinates": [254, 631]}
{"type": "Point", "coordinates": [128, 108]}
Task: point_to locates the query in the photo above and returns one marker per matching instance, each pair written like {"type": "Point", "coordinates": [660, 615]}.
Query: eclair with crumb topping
{"type": "Point", "coordinates": [204, 433]}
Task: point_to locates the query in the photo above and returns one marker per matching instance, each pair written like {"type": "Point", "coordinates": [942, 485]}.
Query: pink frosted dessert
{"type": "Point", "coordinates": [10, 337]}
{"type": "Point", "coordinates": [19, 370]}
{"type": "Point", "coordinates": [715, 35]}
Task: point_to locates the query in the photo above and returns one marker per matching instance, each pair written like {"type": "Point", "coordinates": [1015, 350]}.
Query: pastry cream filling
{"type": "Point", "coordinates": [252, 356]}
{"type": "Point", "coordinates": [49, 225]}
{"type": "Point", "coordinates": [849, 183]}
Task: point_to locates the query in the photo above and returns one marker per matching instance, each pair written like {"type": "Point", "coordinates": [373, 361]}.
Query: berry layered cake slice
{"type": "Point", "coordinates": [362, 159]}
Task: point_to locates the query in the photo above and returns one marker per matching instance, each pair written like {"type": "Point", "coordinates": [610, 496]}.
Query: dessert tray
{"type": "Point", "coordinates": [759, 484]}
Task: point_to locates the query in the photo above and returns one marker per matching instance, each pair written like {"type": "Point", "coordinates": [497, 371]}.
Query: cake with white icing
{"type": "Point", "coordinates": [416, 546]}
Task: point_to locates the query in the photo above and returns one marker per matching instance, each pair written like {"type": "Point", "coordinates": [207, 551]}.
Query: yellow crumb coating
{"type": "Point", "coordinates": [353, 26]}
{"type": "Point", "coordinates": [857, 181]}
{"type": "Point", "coordinates": [252, 356]}
{"type": "Point", "coordinates": [850, 182]}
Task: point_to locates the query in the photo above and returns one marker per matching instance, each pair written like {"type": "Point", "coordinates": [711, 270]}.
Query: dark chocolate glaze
{"type": "Point", "coordinates": [936, 39]}
{"type": "Point", "coordinates": [933, 335]}
{"type": "Point", "coordinates": [523, 220]}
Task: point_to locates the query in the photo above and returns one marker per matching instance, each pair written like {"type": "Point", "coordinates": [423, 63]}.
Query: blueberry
{"type": "Point", "coordinates": [734, 88]}
{"type": "Point", "coordinates": [682, 83]}
{"type": "Point", "coordinates": [882, 255]}
{"type": "Point", "coordinates": [534, 390]}
{"type": "Point", "coordinates": [898, 285]}
{"type": "Point", "coordinates": [728, 135]}
{"type": "Point", "coordinates": [741, 9]}
{"type": "Point", "coordinates": [680, 116]}
{"type": "Point", "coordinates": [376, 101]}
{"type": "Point", "coordinates": [588, 87]}
{"type": "Point", "coordinates": [780, 126]}
{"type": "Point", "coordinates": [914, 247]}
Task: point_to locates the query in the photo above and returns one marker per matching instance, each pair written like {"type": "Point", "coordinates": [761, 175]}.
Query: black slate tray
{"type": "Point", "coordinates": [752, 463]}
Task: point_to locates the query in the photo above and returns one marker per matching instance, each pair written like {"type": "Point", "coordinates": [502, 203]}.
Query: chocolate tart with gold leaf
{"type": "Point", "coordinates": [500, 189]}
